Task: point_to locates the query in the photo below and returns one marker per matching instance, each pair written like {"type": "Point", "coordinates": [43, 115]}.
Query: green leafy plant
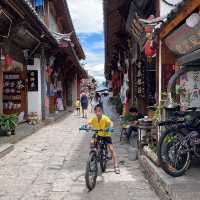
{"type": "Point", "coordinates": [8, 122]}
{"type": "Point", "coordinates": [170, 138]}
{"type": "Point", "coordinates": [157, 112]}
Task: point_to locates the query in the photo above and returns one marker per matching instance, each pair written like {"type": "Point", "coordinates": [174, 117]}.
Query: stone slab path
{"type": "Point", "coordinates": [50, 165]}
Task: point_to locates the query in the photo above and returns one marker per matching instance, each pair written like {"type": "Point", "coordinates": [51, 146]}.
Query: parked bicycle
{"type": "Point", "coordinates": [98, 157]}
{"type": "Point", "coordinates": [179, 142]}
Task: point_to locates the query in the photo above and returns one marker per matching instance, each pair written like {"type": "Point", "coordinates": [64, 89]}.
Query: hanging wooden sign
{"type": "Point", "coordinates": [184, 40]}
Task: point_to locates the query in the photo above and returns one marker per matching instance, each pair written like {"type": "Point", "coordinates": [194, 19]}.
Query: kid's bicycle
{"type": "Point", "coordinates": [98, 157]}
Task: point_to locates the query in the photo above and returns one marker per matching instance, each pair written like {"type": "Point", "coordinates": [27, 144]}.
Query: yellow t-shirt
{"type": "Point", "coordinates": [77, 104]}
{"type": "Point", "coordinates": [104, 123]}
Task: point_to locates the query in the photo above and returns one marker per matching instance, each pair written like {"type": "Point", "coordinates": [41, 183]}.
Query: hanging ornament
{"type": "Point", "coordinates": [149, 49]}
{"type": "Point", "coordinates": [8, 60]}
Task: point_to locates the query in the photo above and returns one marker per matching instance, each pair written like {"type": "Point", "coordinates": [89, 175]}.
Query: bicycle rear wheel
{"type": "Point", "coordinates": [91, 171]}
{"type": "Point", "coordinates": [173, 153]}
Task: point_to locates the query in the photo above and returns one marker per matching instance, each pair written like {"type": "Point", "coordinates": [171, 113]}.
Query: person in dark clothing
{"type": "Point", "coordinates": [132, 119]}
{"type": "Point", "coordinates": [84, 104]}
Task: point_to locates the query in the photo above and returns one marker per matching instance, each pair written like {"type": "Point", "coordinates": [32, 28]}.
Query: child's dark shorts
{"type": "Point", "coordinates": [107, 140]}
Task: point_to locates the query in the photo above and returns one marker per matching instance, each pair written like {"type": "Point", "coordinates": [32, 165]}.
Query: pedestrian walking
{"type": "Point", "coordinates": [84, 104]}
{"type": "Point", "coordinates": [95, 101]}
{"type": "Point", "coordinates": [77, 106]}
{"type": "Point", "coordinates": [59, 102]}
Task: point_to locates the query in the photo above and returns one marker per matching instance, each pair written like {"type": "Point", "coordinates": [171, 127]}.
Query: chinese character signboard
{"type": "Point", "coordinates": [140, 82]}
{"type": "Point", "coordinates": [190, 85]}
{"type": "Point", "coordinates": [184, 40]}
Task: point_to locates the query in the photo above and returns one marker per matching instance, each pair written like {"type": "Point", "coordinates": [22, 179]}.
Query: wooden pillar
{"type": "Point", "coordinates": [43, 83]}
{"type": "Point", "coordinates": [78, 87]}
{"type": "Point", "coordinates": [1, 90]}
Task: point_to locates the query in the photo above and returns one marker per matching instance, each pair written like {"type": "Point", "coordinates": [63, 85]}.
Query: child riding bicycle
{"type": "Point", "coordinates": [103, 122]}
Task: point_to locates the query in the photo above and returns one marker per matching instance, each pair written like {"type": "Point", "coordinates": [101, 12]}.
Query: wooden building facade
{"type": "Point", "coordinates": [40, 57]}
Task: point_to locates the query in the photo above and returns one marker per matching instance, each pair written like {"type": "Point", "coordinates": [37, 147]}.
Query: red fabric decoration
{"type": "Point", "coordinates": [8, 60]}
{"type": "Point", "coordinates": [148, 49]}
{"type": "Point", "coordinates": [49, 70]}
{"type": "Point", "coordinates": [126, 105]}
{"type": "Point", "coordinates": [115, 82]}
{"type": "Point", "coordinates": [114, 77]}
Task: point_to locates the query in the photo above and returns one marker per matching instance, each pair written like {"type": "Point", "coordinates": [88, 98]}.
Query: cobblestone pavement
{"type": "Point", "coordinates": [50, 165]}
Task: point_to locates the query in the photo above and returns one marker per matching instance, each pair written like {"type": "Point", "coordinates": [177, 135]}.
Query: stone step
{"type": "Point", "coordinates": [170, 188]}
{"type": "Point", "coordinates": [5, 149]}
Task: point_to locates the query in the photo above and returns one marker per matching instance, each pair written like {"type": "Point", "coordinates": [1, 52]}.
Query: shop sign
{"type": "Point", "coordinates": [184, 40]}
{"type": "Point", "coordinates": [33, 80]}
{"type": "Point", "coordinates": [190, 87]}
{"type": "Point", "coordinates": [140, 82]}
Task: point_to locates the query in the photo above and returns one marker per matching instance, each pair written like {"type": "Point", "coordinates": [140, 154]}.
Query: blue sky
{"type": "Point", "coordinates": [87, 16]}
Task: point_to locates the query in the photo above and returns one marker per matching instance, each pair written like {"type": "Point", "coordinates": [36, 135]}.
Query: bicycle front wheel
{"type": "Point", "coordinates": [103, 159]}
{"type": "Point", "coordinates": [91, 171]}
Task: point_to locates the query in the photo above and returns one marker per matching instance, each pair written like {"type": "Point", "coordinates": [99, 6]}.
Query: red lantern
{"type": "Point", "coordinates": [148, 49]}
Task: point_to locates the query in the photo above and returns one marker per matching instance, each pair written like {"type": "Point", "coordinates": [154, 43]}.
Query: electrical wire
{"type": "Point", "coordinates": [169, 4]}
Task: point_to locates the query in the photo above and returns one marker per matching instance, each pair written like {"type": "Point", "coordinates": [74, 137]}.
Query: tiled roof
{"type": "Point", "coordinates": [40, 21]}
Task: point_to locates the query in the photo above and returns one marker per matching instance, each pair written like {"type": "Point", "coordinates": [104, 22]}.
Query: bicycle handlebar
{"type": "Point", "coordinates": [95, 130]}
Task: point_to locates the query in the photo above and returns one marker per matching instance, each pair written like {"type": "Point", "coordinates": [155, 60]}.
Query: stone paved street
{"type": "Point", "coordinates": [50, 165]}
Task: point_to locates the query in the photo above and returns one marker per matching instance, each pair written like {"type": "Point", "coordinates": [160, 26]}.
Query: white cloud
{"type": "Point", "coordinates": [98, 45]}
{"type": "Point", "coordinates": [87, 15]}
{"type": "Point", "coordinates": [95, 65]}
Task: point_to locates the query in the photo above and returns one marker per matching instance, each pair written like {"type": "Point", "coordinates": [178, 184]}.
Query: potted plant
{"type": "Point", "coordinates": [8, 124]}
{"type": "Point", "coordinates": [156, 112]}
